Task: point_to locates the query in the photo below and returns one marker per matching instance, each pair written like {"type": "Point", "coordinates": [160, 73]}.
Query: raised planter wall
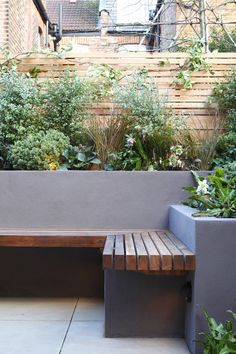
{"type": "Point", "coordinates": [214, 286]}
{"type": "Point", "coordinates": [86, 199]}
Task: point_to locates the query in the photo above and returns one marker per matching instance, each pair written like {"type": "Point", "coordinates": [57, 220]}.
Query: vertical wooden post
{"type": "Point", "coordinates": [203, 24]}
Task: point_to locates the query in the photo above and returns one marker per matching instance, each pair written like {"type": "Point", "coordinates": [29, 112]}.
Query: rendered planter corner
{"type": "Point", "coordinates": [213, 241]}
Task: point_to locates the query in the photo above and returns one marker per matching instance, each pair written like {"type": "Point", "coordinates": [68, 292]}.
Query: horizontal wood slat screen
{"type": "Point", "coordinates": [193, 103]}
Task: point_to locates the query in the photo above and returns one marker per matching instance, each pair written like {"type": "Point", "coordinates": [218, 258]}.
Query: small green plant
{"type": "Point", "coordinates": [34, 72]}
{"type": "Point", "coordinates": [39, 151]}
{"type": "Point", "coordinates": [183, 79]}
{"type": "Point", "coordinates": [215, 195]}
{"type": "Point", "coordinates": [195, 62]}
{"type": "Point", "coordinates": [79, 158]}
{"type": "Point", "coordinates": [132, 157]}
{"type": "Point", "coordinates": [104, 76]}
{"type": "Point", "coordinates": [220, 338]}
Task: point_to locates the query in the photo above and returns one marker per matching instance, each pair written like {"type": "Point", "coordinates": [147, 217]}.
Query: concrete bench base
{"type": "Point", "coordinates": [139, 305]}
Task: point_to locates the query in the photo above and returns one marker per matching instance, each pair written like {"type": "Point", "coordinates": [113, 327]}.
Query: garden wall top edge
{"type": "Point", "coordinates": [187, 212]}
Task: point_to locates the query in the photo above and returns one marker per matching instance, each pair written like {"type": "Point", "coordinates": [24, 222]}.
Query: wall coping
{"type": "Point", "coordinates": [187, 211]}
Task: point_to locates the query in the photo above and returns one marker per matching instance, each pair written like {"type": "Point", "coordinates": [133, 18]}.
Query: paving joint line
{"type": "Point", "coordinates": [68, 328]}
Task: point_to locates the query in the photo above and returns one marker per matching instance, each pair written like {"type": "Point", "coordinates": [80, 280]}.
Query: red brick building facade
{"type": "Point", "coordinates": [22, 25]}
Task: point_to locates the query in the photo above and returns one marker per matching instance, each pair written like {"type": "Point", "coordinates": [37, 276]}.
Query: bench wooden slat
{"type": "Point", "coordinates": [142, 256]}
{"type": "Point", "coordinates": [177, 255]}
{"type": "Point", "coordinates": [166, 257]}
{"type": "Point", "coordinates": [21, 232]}
{"type": "Point", "coordinates": [130, 253]}
{"type": "Point", "coordinates": [189, 257]}
{"type": "Point", "coordinates": [119, 259]}
{"type": "Point", "coordinates": [153, 254]}
{"type": "Point", "coordinates": [53, 241]}
{"type": "Point", "coordinates": [108, 252]}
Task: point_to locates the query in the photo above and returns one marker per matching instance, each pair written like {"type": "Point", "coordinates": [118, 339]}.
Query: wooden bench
{"type": "Point", "coordinates": [149, 251]}
{"type": "Point", "coordinates": [137, 250]}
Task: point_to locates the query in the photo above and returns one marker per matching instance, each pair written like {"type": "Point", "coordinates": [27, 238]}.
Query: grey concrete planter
{"type": "Point", "coordinates": [89, 199]}
{"type": "Point", "coordinates": [214, 286]}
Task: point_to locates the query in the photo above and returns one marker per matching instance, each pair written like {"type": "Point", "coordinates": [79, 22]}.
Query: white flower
{"type": "Point", "coordinates": [202, 187]}
{"type": "Point", "coordinates": [130, 141]}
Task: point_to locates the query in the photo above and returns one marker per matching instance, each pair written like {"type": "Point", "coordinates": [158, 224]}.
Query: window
{"type": "Point", "coordinates": [134, 11]}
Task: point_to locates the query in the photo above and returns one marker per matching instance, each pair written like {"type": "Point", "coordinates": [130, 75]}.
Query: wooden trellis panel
{"type": "Point", "coordinates": [162, 68]}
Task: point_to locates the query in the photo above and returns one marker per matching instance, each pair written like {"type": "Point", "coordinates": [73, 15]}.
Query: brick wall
{"type": "Point", "coordinates": [107, 43]}
{"type": "Point", "coordinates": [4, 16]}
{"type": "Point", "coordinates": [21, 26]}
{"type": "Point", "coordinates": [225, 13]}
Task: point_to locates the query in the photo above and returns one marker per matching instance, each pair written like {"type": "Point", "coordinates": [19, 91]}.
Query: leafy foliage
{"type": "Point", "coordinates": [219, 41]}
{"type": "Point", "coordinates": [195, 62]}
{"type": "Point", "coordinates": [221, 338]}
{"type": "Point", "coordinates": [19, 100]}
{"type": "Point", "coordinates": [226, 149]}
{"type": "Point", "coordinates": [157, 132]}
{"type": "Point", "coordinates": [132, 157]}
{"type": "Point", "coordinates": [224, 95]}
{"type": "Point", "coordinates": [8, 62]}
{"type": "Point", "coordinates": [214, 195]}
{"type": "Point", "coordinates": [65, 105]}
{"type": "Point", "coordinates": [105, 76]}
{"type": "Point", "coordinates": [161, 140]}
{"type": "Point", "coordinates": [39, 151]}
{"type": "Point", "coordinates": [79, 158]}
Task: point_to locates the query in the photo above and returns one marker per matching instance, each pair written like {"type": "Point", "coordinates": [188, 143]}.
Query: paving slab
{"type": "Point", "coordinates": [32, 337]}
{"type": "Point", "coordinates": [87, 337]}
{"type": "Point", "coordinates": [37, 309]}
{"type": "Point", "coordinates": [89, 310]}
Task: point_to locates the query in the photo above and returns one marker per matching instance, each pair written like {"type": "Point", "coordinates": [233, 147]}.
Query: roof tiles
{"type": "Point", "coordinates": [78, 16]}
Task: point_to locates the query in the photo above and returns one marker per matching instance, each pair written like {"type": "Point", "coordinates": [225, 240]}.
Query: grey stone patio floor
{"type": "Point", "coordinates": [68, 326]}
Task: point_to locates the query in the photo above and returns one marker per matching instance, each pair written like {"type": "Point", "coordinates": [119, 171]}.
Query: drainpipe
{"type": "Point", "coordinates": [57, 30]}
{"type": "Point", "coordinates": [46, 35]}
{"type": "Point", "coordinates": [41, 9]}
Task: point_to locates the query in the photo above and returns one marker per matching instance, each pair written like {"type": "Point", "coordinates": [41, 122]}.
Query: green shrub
{"type": "Point", "coordinates": [65, 105]}
{"type": "Point", "coordinates": [39, 151]}
{"type": "Point", "coordinates": [224, 94]}
{"type": "Point", "coordinates": [158, 133]}
{"type": "Point", "coordinates": [19, 99]}
{"type": "Point", "coordinates": [220, 338]}
{"type": "Point", "coordinates": [226, 147]}
{"type": "Point", "coordinates": [220, 41]}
